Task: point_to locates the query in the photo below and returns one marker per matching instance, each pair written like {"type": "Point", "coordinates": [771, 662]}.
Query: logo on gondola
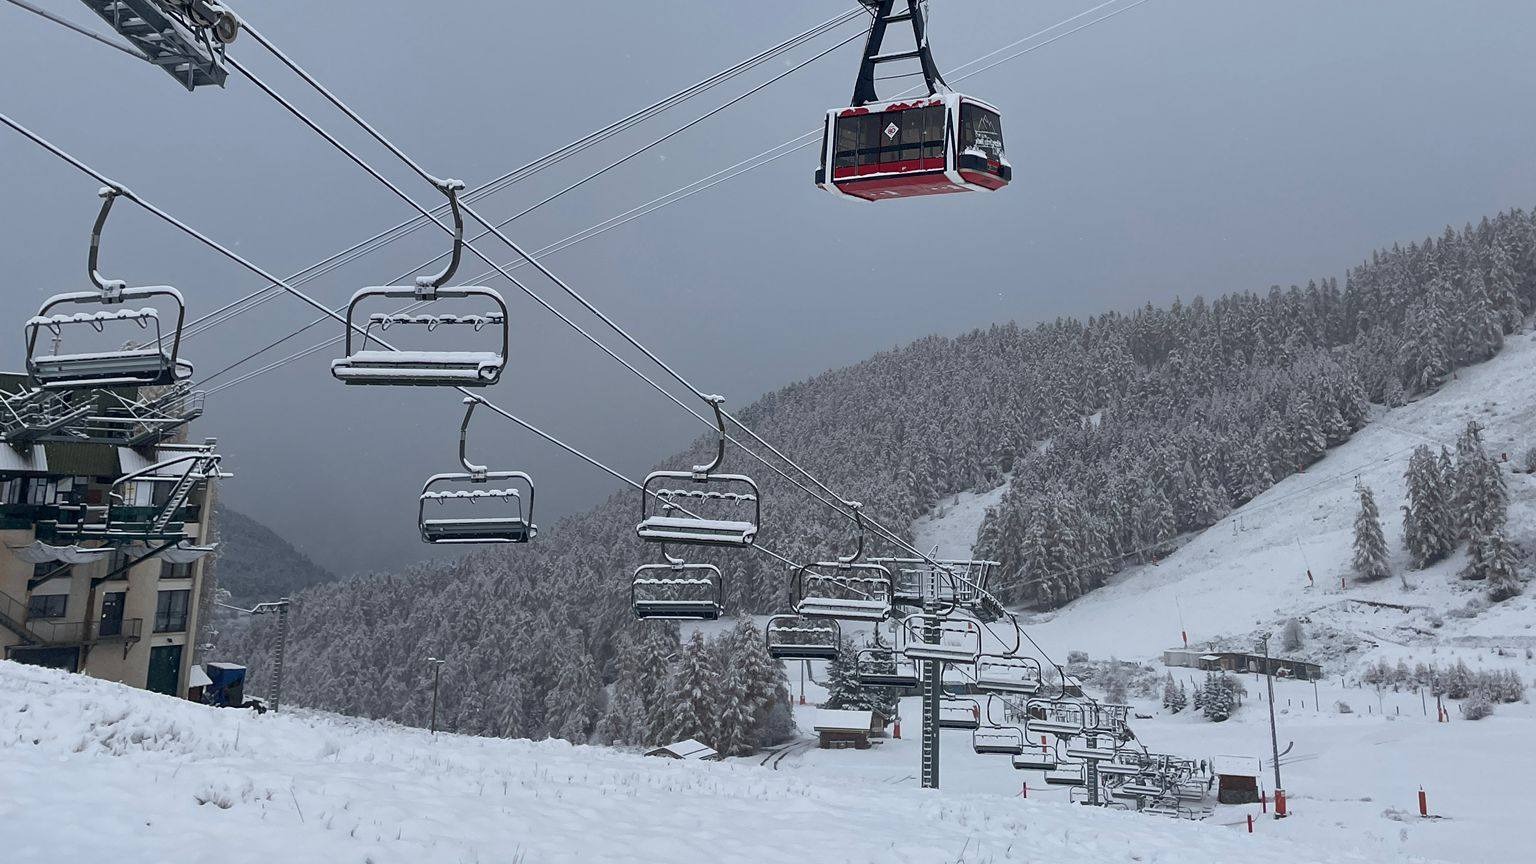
{"type": "Point", "coordinates": [891, 130]}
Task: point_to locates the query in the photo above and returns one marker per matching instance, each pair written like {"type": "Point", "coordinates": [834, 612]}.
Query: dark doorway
{"type": "Point", "coordinates": [164, 669]}
{"type": "Point", "coordinates": [111, 614]}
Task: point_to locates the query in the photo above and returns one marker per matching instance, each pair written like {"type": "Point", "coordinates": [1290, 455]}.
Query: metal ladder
{"type": "Point", "coordinates": [199, 471]}
{"type": "Point", "coordinates": [933, 688]}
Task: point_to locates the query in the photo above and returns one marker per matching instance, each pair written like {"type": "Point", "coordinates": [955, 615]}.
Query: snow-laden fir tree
{"type": "Point", "coordinates": [1370, 560]}
{"type": "Point", "coordinates": [653, 670]}
{"type": "Point", "coordinates": [1218, 698]}
{"type": "Point", "coordinates": [1481, 499]}
{"type": "Point", "coordinates": [845, 692]}
{"type": "Point", "coordinates": [1492, 559]}
{"type": "Point", "coordinates": [1428, 528]}
{"type": "Point", "coordinates": [693, 696]}
{"type": "Point", "coordinates": [1175, 699]}
{"type": "Point", "coordinates": [574, 705]}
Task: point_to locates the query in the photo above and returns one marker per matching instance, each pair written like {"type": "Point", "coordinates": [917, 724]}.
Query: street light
{"type": "Point", "coordinates": [437, 675]}
{"type": "Point", "coordinates": [279, 608]}
{"type": "Point", "coordinates": [1274, 737]}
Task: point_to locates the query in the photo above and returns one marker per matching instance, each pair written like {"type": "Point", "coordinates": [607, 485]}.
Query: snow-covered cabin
{"type": "Point", "coordinates": [1237, 778]}
{"type": "Point", "coordinates": [841, 729]}
{"type": "Point", "coordinates": [686, 749]}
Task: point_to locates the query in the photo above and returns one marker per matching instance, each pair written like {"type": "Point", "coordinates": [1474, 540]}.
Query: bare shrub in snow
{"type": "Point", "coordinates": [1342, 707]}
{"type": "Point", "coordinates": [1291, 636]}
{"type": "Point", "coordinates": [1477, 706]}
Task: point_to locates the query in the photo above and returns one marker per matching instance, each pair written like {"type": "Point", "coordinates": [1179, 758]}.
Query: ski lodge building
{"type": "Point", "coordinates": [104, 521]}
{"type": "Point", "coordinates": [1242, 661]}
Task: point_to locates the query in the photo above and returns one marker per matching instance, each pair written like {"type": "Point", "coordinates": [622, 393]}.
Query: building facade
{"type": "Point", "coordinates": [104, 522]}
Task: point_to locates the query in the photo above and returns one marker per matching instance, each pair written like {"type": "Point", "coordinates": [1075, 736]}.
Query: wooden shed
{"type": "Point", "coordinates": [842, 729]}
{"type": "Point", "coordinates": [1237, 778]}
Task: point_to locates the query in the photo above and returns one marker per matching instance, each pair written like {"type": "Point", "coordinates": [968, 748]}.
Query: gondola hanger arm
{"type": "Point", "coordinates": [111, 289]}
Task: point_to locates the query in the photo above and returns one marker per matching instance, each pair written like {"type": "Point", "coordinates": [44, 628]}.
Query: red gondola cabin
{"type": "Point", "coordinates": [929, 145]}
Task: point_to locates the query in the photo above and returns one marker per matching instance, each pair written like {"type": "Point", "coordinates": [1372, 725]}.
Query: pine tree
{"type": "Point", "coordinates": [693, 696]}
{"type": "Point", "coordinates": [573, 706]}
{"type": "Point", "coordinates": [1492, 559]}
{"type": "Point", "coordinates": [651, 678]}
{"type": "Point", "coordinates": [1428, 531]}
{"type": "Point", "coordinates": [1181, 699]}
{"type": "Point", "coordinates": [845, 692]}
{"type": "Point", "coordinates": [1370, 544]}
{"type": "Point", "coordinates": [1218, 699]}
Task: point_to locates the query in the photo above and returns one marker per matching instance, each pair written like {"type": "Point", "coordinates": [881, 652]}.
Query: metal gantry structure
{"type": "Point", "coordinates": [940, 611]}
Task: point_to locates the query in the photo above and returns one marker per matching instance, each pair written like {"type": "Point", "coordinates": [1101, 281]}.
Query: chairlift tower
{"type": "Point", "coordinates": [933, 691]}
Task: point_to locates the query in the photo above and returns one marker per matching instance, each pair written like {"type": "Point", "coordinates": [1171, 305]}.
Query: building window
{"type": "Point", "coordinates": [171, 611]}
{"type": "Point", "coordinates": [175, 571]}
{"type": "Point", "coordinates": [47, 605]}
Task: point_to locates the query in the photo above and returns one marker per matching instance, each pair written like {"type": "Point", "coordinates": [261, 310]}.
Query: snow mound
{"type": "Point", "coordinates": [159, 777]}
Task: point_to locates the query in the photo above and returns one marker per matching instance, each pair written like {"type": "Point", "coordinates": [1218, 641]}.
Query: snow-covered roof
{"type": "Point", "coordinates": [830, 720]}
{"type": "Point", "coordinates": [228, 667]}
{"type": "Point", "coordinates": [1236, 766]}
{"type": "Point", "coordinates": [686, 749]}
{"type": "Point", "coordinates": [198, 678]}
{"type": "Point", "coordinates": [1210, 657]}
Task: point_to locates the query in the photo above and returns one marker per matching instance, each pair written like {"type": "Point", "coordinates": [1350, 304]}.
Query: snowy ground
{"type": "Point", "coordinates": [97, 771]}
{"type": "Point", "coordinates": [1353, 778]}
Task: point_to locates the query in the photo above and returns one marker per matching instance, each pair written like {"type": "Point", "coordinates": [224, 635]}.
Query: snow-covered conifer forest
{"type": "Point", "coordinates": [1117, 435]}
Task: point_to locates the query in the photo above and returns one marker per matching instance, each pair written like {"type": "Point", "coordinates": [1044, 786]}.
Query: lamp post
{"type": "Point", "coordinates": [1274, 737]}
{"type": "Point", "coordinates": [280, 608]}
{"type": "Point", "coordinates": [437, 675]}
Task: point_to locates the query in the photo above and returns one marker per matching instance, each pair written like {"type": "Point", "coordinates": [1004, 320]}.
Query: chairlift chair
{"type": "Point", "coordinates": [681, 517]}
{"type": "Point", "coordinates": [1065, 775]}
{"type": "Point", "coordinates": [998, 740]}
{"type": "Point", "coordinates": [677, 591]}
{"type": "Point", "coordinates": [883, 667]}
{"type": "Point", "coordinates": [1035, 758]}
{"type": "Point", "coordinates": [794, 637]}
{"type": "Point", "coordinates": [927, 145]}
{"type": "Point", "coordinates": [964, 645]}
{"type": "Point", "coordinates": [847, 588]}
{"type": "Point", "coordinates": [959, 713]}
{"type": "Point", "coordinates": [153, 360]}
{"type": "Point", "coordinates": [1091, 754]}
{"type": "Point", "coordinates": [474, 486]}
{"type": "Point", "coordinates": [1064, 720]}
{"type": "Point", "coordinates": [1006, 674]}
{"type": "Point", "coordinates": [457, 368]}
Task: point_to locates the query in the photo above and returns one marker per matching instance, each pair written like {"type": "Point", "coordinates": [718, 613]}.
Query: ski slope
{"type": "Point", "coordinates": [1248, 572]}
{"type": "Point", "coordinates": [129, 776]}
{"type": "Point", "coordinates": [1352, 777]}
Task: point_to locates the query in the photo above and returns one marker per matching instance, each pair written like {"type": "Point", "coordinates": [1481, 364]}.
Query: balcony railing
{"type": "Point", "coordinates": [125, 630]}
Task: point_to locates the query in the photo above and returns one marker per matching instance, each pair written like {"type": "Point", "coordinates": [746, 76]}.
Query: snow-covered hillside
{"type": "Point", "coordinates": [97, 771]}
{"type": "Point", "coordinates": [1353, 776]}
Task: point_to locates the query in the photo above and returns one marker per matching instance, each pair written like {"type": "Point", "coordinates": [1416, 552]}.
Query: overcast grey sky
{"type": "Point", "coordinates": [1186, 147]}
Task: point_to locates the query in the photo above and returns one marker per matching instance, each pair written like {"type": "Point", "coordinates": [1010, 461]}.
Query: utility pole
{"type": "Point", "coordinates": [1274, 736]}
{"type": "Point", "coordinates": [437, 677]}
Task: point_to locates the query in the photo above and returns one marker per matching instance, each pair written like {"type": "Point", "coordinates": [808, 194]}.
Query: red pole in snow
{"type": "Point", "coordinates": [1185, 635]}
{"type": "Point", "coordinates": [1263, 801]}
{"type": "Point", "coordinates": [1024, 792]}
{"type": "Point", "coordinates": [1280, 804]}
{"type": "Point", "coordinates": [1250, 823]}
{"type": "Point", "coordinates": [898, 729]}
{"type": "Point", "coordinates": [1423, 802]}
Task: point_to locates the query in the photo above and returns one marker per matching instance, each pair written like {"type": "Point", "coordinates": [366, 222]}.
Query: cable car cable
{"type": "Point", "coordinates": [65, 22]}
{"type": "Point", "coordinates": [553, 157]}
{"type": "Point", "coordinates": [888, 533]}
{"type": "Point", "coordinates": [246, 263]}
